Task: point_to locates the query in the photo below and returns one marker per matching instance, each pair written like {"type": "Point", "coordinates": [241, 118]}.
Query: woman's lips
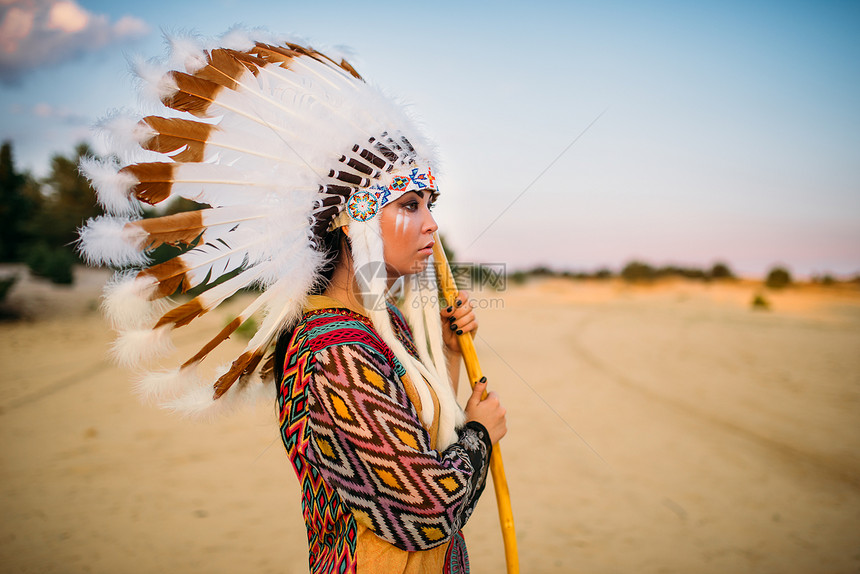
{"type": "Point", "coordinates": [428, 249]}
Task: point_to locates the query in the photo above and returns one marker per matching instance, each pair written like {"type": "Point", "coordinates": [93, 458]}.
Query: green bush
{"type": "Point", "coordinates": [518, 277]}
{"type": "Point", "coordinates": [541, 271]}
{"type": "Point", "coordinates": [778, 277]}
{"type": "Point", "coordinates": [721, 271]}
{"type": "Point", "coordinates": [760, 303]}
{"type": "Point", "coordinates": [60, 265]}
{"type": "Point", "coordinates": [54, 264]}
{"type": "Point", "coordinates": [247, 329]}
{"type": "Point", "coordinates": [37, 258]}
{"type": "Point", "coordinates": [638, 271]}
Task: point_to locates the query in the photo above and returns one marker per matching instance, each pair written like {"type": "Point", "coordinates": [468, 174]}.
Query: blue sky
{"type": "Point", "coordinates": [724, 130]}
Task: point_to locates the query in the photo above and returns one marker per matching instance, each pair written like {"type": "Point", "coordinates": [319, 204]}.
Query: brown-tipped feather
{"type": "Point", "coordinates": [250, 60]}
{"type": "Point", "coordinates": [171, 275]}
{"type": "Point", "coordinates": [323, 58]}
{"type": "Point", "coordinates": [275, 54]}
{"type": "Point", "coordinates": [155, 180]}
{"type": "Point", "coordinates": [225, 67]}
{"type": "Point", "coordinates": [311, 53]}
{"type": "Point", "coordinates": [348, 67]}
{"type": "Point", "coordinates": [217, 340]}
{"type": "Point", "coordinates": [177, 229]}
{"type": "Point", "coordinates": [183, 314]}
{"type": "Point", "coordinates": [284, 55]}
{"type": "Point", "coordinates": [244, 365]}
{"type": "Point", "coordinates": [268, 368]}
{"type": "Point", "coordinates": [194, 96]}
{"type": "Point", "coordinates": [174, 133]}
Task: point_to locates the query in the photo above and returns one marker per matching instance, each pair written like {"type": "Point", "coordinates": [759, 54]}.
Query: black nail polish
{"type": "Point", "coordinates": [453, 327]}
{"type": "Point", "coordinates": [483, 380]}
{"type": "Point", "coordinates": [450, 319]}
{"type": "Point", "coordinates": [459, 332]}
{"type": "Point", "coordinates": [459, 302]}
{"type": "Point", "coordinates": [449, 309]}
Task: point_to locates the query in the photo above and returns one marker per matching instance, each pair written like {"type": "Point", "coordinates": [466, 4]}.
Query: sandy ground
{"type": "Point", "coordinates": [652, 429]}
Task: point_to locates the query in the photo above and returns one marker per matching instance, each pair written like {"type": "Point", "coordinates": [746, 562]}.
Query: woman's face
{"type": "Point", "coordinates": [407, 232]}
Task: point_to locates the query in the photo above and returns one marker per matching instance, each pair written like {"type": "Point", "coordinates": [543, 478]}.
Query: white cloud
{"type": "Point", "coordinates": [39, 33]}
{"type": "Point", "coordinates": [129, 26]}
{"type": "Point", "coordinates": [15, 26]}
{"type": "Point", "coordinates": [67, 17]}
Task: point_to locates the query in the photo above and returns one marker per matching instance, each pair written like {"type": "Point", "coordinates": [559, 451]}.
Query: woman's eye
{"type": "Point", "coordinates": [411, 206]}
{"type": "Point", "coordinates": [430, 206]}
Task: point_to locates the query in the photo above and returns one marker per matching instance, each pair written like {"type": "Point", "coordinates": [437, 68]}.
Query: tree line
{"type": "Point", "coordinates": [40, 217]}
{"type": "Point", "coordinates": [637, 271]}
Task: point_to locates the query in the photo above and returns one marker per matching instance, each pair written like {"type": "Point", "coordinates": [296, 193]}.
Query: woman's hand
{"type": "Point", "coordinates": [489, 411]}
{"type": "Point", "coordinates": [457, 319]}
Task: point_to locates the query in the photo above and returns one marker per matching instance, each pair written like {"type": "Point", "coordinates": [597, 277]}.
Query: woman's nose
{"type": "Point", "coordinates": [430, 223]}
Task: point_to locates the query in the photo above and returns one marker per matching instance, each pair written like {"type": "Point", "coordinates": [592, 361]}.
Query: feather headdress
{"type": "Point", "coordinates": [277, 141]}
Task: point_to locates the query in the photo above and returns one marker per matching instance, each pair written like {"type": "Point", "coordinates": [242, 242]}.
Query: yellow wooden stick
{"type": "Point", "coordinates": [473, 370]}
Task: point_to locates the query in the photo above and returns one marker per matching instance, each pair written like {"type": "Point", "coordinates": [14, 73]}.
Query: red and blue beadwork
{"type": "Point", "coordinates": [362, 205]}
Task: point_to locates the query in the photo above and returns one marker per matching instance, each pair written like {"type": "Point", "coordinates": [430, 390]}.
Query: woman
{"type": "Point", "coordinates": [385, 499]}
{"type": "Point", "coordinates": [316, 191]}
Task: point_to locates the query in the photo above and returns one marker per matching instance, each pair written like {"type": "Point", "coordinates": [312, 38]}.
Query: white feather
{"type": "Point", "coordinates": [223, 185]}
{"type": "Point", "coordinates": [215, 259]}
{"type": "Point", "coordinates": [249, 145]}
{"type": "Point", "coordinates": [199, 403]}
{"type": "Point", "coordinates": [151, 81]}
{"type": "Point", "coordinates": [216, 295]}
{"type": "Point", "coordinates": [239, 38]}
{"type": "Point", "coordinates": [107, 240]}
{"type": "Point", "coordinates": [112, 188]}
{"type": "Point", "coordinates": [195, 398]}
{"type": "Point", "coordinates": [128, 302]}
{"type": "Point", "coordinates": [185, 52]}
{"type": "Point", "coordinates": [136, 346]}
{"type": "Point", "coordinates": [160, 386]}
{"type": "Point", "coordinates": [289, 296]}
{"type": "Point", "coordinates": [284, 303]}
{"type": "Point", "coordinates": [124, 134]}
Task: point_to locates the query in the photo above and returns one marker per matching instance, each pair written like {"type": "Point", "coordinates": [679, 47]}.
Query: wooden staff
{"type": "Point", "coordinates": [473, 370]}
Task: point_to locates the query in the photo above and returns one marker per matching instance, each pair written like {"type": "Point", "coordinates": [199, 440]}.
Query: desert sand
{"type": "Point", "coordinates": [655, 429]}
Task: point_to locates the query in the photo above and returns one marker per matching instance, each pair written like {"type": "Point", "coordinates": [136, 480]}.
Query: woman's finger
{"type": "Point", "coordinates": [477, 392]}
{"type": "Point", "coordinates": [460, 327]}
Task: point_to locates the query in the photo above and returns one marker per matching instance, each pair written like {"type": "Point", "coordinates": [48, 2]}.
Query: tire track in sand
{"type": "Point", "coordinates": [786, 452]}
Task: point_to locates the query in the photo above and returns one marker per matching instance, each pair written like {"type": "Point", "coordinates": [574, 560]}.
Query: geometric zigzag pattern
{"type": "Point", "coordinates": [332, 531]}
{"type": "Point", "coordinates": [359, 449]}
